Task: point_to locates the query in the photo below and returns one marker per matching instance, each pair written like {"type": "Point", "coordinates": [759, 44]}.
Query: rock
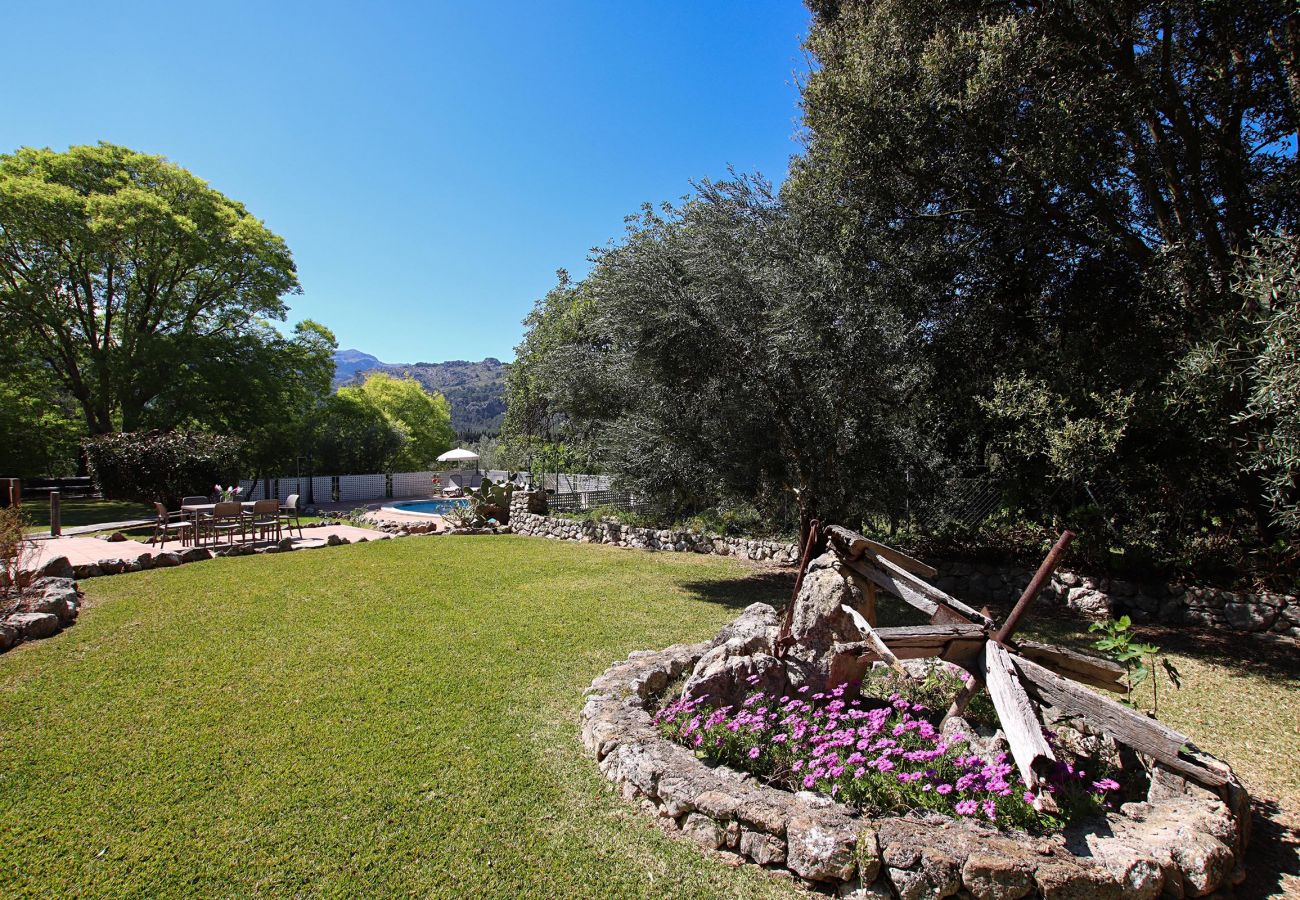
{"type": "Point", "coordinates": [284, 544]}
{"type": "Point", "coordinates": [335, 540]}
{"type": "Point", "coordinates": [991, 876]}
{"type": "Point", "coordinates": [58, 567]}
{"type": "Point", "coordinates": [166, 560]}
{"type": "Point", "coordinates": [821, 847]}
{"type": "Point", "coordinates": [87, 570]}
{"type": "Point", "coordinates": [856, 890]}
{"type": "Point", "coordinates": [725, 678]}
{"type": "Point", "coordinates": [144, 561]}
{"type": "Point", "coordinates": [704, 831]}
{"type": "Point", "coordinates": [1086, 601]}
{"type": "Point", "coordinates": [819, 623]}
{"type": "Point", "coordinates": [112, 566]}
{"type": "Point", "coordinates": [116, 537]}
{"type": "Point", "coordinates": [763, 849]}
{"type": "Point", "coordinates": [195, 554]}
{"type": "Point", "coordinates": [1249, 616]}
{"type": "Point", "coordinates": [754, 629]}
{"type": "Point", "coordinates": [33, 625]}
{"type": "Point", "coordinates": [1067, 879]}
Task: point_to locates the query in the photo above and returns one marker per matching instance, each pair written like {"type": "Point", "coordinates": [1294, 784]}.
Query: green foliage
{"type": "Point", "coordinates": [161, 465]}
{"type": "Point", "coordinates": [352, 436]}
{"type": "Point", "coordinates": [120, 270]}
{"type": "Point", "coordinates": [422, 418]}
{"type": "Point", "coordinates": [488, 502]}
{"type": "Point", "coordinates": [1138, 659]}
{"type": "Point", "coordinates": [42, 432]}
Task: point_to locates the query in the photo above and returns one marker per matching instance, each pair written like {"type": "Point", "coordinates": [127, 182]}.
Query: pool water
{"type": "Point", "coordinates": [430, 507]}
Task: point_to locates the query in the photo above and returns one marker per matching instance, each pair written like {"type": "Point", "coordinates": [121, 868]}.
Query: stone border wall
{"type": "Point", "coordinates": [1098, 598]}
{"type": "Point", "coordinates": [528, 516]}
{"type": "Point", "coordinates": [1182, 841]}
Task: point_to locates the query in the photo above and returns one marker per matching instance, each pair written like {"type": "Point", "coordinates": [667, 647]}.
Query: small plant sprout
{"type": "Point", "coordinates": [1140, 661]}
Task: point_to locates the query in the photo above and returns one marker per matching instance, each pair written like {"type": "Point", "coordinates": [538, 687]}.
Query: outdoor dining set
{"type": "Point", "coordinates": [201, 520]}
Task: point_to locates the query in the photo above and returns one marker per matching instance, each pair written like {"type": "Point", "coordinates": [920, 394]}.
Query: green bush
{"type": "Point", "coordinates": [161, 465]}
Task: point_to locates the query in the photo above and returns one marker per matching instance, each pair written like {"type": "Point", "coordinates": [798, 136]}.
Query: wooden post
{"type": "Point", "coordinates": [56, 515]}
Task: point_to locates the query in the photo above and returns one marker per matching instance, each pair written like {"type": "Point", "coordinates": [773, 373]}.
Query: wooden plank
{"type": "Point", "coordinates": [959, 644]}
{"type": "Point", "coordinates": [881, 648]}
{"type": "Point", "coordinates": [1017, 714]}
{"type": "Point", "coordinates": [856, 544]}
{"type": "Point", "coordinates": [924, 596]}
{"type": "Point", "coordinates": [1092, 670]}
{"type": "Point", "coordinates": [1145, 735]}
{"type": "Point", "coordinates": [902, 591]}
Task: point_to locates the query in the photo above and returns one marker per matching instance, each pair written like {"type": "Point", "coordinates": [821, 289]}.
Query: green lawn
{"type": "Point", "coordinates": [393, 718]}
{"type": "Point", "coordinates": [78, 512]}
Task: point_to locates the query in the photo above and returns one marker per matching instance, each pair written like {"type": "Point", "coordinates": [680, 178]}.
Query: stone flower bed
{"type": "Point", "coordinates": [1180, 841]}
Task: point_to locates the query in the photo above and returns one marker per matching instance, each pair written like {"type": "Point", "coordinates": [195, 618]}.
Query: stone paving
{"type": "Point", "coordinates": [89, 551]}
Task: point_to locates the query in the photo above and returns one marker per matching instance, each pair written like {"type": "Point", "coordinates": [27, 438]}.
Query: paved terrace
{"type": "Point", "coordinates": [89, 550]}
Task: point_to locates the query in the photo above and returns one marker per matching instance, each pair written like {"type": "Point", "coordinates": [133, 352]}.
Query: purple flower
{"type": "Point", "coordinates": [966, 808]}
{"type": "Point", "coordinates": [753, 753]}
{"type": "Point", "coordinates": [944, 789]}
{"type": "Point", "coordinates": [1106, 784]}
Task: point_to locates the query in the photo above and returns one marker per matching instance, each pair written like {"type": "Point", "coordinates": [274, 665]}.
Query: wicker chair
{"type": "Point", "coordinates": [163, 526]}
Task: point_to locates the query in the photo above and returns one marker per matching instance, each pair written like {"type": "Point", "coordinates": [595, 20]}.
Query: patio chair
{"type": "Point", "coordinates": [453, 485]}
{"type": "Point", "coordinates": [163, 526]}
{"type": "Point", "coordinates": [289, 513]}
{"type": "Point", "coordinates": [265, 519]}
{"type": "Point", "coordinates": [227, 518]}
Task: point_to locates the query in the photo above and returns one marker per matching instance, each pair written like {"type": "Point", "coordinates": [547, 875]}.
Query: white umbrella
{"type": "Point", "coordinates": [458, 455]}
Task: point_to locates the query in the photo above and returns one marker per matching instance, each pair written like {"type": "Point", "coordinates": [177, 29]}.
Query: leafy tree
{"type": "Point", "coordinates": [726, 349]}
{"type": "Point", "coordinates": [40, 427]}
{"type": "Point", "coordinates": [350, 435]}
{"type": "Point", "coordinates": [119, 269]}
{"type": "Point", "coordinates": [421, 417]}
{"type": "Point", "coordinates": [161, 465]}
{"type": "Point", "coordinates": [1071, 185]}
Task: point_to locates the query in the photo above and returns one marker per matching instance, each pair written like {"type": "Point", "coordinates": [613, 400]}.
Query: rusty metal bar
{"type": "Point", "coordinates": [1035, 586]}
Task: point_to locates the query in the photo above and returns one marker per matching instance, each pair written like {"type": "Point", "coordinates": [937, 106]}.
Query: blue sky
{"type": "Point", "coordinates": [430, 164]}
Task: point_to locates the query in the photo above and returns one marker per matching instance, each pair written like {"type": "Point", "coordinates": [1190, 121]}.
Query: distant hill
{"type": "Point", "coordinates": [476, 390]}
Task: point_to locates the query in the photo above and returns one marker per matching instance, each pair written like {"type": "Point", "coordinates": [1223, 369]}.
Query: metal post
{"type": "Point", "coordinates": [1035, 586]}
{"type": "Point", "coordinates": [56, 515]}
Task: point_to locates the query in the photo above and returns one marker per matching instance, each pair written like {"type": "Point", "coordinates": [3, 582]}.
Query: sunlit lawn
{"type": "Point", "coordinates": [400, 718]}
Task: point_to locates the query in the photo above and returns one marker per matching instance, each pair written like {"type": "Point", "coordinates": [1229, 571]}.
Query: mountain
{"type": "Point", "coordinates": [475, 390]}
{"type": "Point", "coordinates": [349, 362]}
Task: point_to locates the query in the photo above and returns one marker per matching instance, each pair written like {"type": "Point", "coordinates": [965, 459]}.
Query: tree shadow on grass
{"type": "Point", "coordinates": [1273, 857]}
{"type": "Point", "coordinates": [763, 586]}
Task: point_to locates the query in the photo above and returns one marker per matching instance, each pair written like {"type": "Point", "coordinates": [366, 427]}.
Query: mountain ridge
{"type": "Point", "coordinates": [475, 389]}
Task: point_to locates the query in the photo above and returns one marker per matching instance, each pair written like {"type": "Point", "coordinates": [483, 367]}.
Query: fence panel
{"type": "Point", "coordinates": [412, 484]}
{"type": "Point", "coordinates": [575, 501]}
{"type": "Point", "coordinates": [362, 487]}
{"type": "Point", "coordinates": [322, 489]}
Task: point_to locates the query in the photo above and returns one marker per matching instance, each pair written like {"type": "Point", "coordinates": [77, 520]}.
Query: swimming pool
{"type": "Point", "coordinates": [429, 507]}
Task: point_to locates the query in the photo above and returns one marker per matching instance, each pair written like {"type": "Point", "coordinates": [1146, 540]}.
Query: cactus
{"type": "Point", "coordinates": [490, 500]}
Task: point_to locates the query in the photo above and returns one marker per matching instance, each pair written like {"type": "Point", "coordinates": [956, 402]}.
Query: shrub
{"type": "Point", "coordinates": [880, 756]}
{"type": "Point", "coordinates": [161, 465]}
{"type": "Point", "coordinates": [16, 554]}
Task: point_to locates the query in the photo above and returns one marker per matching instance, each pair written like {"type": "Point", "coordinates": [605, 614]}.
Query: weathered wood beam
{"type": "Point", "coordinates": [856, 544]}
{"type": "Point", "coordinates": [1145, 735]}
{"type": "Point", "coordinates": [1091, 670]}
{"type": "Point", "coordinates": [924, 596]}
{"type": "Point", "coordinates": [1017, 715]}
{"type": "Point", "coordinates": [958, 644]}
{"type": "Point", "coordinates": [881, 648]}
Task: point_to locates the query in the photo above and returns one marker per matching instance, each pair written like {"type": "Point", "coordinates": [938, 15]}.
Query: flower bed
{"type": "Point", "coordinates": [880, 756]}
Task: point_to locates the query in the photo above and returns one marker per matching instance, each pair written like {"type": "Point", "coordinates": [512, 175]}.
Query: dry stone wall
{"type": "Point", "coordinates": [528, 516]}
{"type": "Point", "coordinates": [1261, 612]}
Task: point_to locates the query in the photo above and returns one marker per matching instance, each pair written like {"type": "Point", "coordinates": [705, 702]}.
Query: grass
{"type": "Point", "coordinates": [399, 717]}
{"type": "Point", "coordinates": [75, 512]}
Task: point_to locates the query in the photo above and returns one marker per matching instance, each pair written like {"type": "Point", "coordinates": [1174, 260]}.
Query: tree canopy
{"type": "Point", "coordinates": [421, 417]}
{"type": "Point", "coordinates": [119, 269]}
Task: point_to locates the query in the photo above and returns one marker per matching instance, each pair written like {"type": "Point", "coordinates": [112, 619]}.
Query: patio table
{"type": "Point", "coordinates": [198, 509]}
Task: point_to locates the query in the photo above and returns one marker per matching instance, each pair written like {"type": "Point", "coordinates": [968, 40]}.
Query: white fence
{"type": "Point", "coordinates": [382, 486]}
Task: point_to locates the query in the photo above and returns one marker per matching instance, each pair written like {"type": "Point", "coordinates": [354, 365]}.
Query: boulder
{"type": "Point", "coordinates": [116, 537]}
{"type": "Point", "coordinates": [33, 625]}
{"type": "Point", "coordinates": [195, 554]}
{"type": "Point", "coordinates": [1249, 616]}
{"type": "Point", "coordinates": [87, 570]}
{"type": "Point", "coordinates": [166, 560]}
{"type": "Point", "coordinates": [58, 567]}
